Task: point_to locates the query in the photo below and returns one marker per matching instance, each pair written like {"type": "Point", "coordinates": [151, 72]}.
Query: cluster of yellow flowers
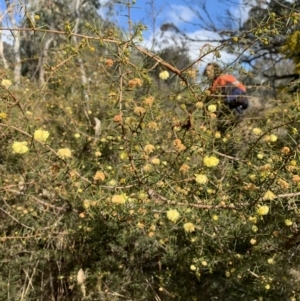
{"type": "Point", "coordinates": [21, 147]}
{"type": "Point", "coordinates": [173, 215]}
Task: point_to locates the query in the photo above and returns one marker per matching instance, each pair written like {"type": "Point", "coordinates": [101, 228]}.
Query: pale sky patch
{"type": "Point", "coordinates": [196, 49]}
{"type": "Point", "coordinates": [179, 14]}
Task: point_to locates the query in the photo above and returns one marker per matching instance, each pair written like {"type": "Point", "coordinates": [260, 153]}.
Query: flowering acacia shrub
{"type": "Point", "coordinates": [141, 194]}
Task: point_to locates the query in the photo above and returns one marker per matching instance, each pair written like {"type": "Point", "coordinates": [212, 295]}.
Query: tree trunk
{"type": "Point", "coordinates": [16, 46]}
{"type": "Point", "coordinates": [42, 61]}
{"type": "Point", "coordinates": [5, 64]}
{"type": "Point", "coordinates": [84, 79]}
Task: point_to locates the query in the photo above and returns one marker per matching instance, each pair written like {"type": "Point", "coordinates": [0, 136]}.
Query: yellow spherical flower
{"type": "Point", "coordinates": [99, 176]}
{"type": "Point", "coordinates": [252, 219]}
{"type": "Point", "coordinates": [133, 83]}
{"type": "Point", "coordinates": [257, 131]}
{"type": "Point", "coordinates": [252, 241]}
{"type": "Point", "coordinates": [270, 261]}
{"type": "Point", "coordinates": [184, 168]}
{"type": "Point", "coordinates": [262, 210]}
{"type": "Point", "coordinates": [273, 138]}
{"type": "Point", "coordinates": [285, 150]}
{"type": "Point", "coordinates": [88, 203]}
{"type": "Point", "coordinates": [296, 178]}
{"type": "Point", "coordinates": [41, 135]}
{"type": "Point", "coordinates": [164, 75]}
{"type": "Point", "coordinates": [254, 228]}
{"type": "Point", "coordinates": [140, 225]}
{"type": "Point", "coordinates": [288, 222]}
{"type": "Point", "coordinates": [211, 161]}
{"type": "Point", "coordinates": [98, 154]}
{"type": "Point", "coordinates": [149, 148]}
{"type": "Point", "coordinates": [212, 108]}
{"type": "Point", "coordinates": [6, 83]}
{"type": "Point", "coordinates": [123, 155]}
{"type": "Point", "coordinates": [153, 125]}
{"type": "Point", "coordinates": [215, 217]}
{"type": "Point", "coordinates": [201, 179]}
{"type": "Point", "coordinates": [204, 263]}
{"type": "Point", "coordinates": [189, 227]}
{"type": "Point", "coordinates": [155, 161]}
{"type": "Point", "coordinates": [151, 234]}
{"type": "Point", "coordinates": [283, 184]}
{"type": "Point", "coordinates": [267, 287]}
{"type": "Point", "coordinates": [260, 156]}
{"type": "Point", "coordinates": [119, 199]}
{"type": "Point", "coordinates": [269, 196]}
{"type": "Point", "coordinates": [139, 111]}
{"type": "Point", "coordinates": [109, 62]}
{"type": "Point", "coordinates": [179, 146]}
{"type": "Point", "coordinates": [64, 153]}
{"type": "Point", "coordinates": [20, 147]}
{"type": "Point", "coordinates": [3, 115]}
{"type": "Point", "coordinates": [147, 167]}
{"type": "Point", "coordinates": [217, 135]}
{"type": "Point", "coordinates": [149, 101]}
{"type": "Point", "coordinates": [173, 215]}
{"type": "Point", "coordinates": [193, 268]}
{"type": "Point", "coordinates": [112, 183]}
{"type": "Point", "coordinates": [199, 105]}
{"type": "Point", "coordinates": [294, 131]}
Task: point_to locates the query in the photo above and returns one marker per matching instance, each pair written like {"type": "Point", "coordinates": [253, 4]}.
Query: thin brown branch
{"type": "Point", "coordinates": [157, 197]}
{"type": "Point", "coordinates": [287, 195]}
{"type": "Point", "coordinates": [14, 219]}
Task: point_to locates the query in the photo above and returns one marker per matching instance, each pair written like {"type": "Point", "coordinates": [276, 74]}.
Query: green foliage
{"type": "Point", "coordinates": [123, 188]}
{"type": "Point", "coordinates": [291, 49]}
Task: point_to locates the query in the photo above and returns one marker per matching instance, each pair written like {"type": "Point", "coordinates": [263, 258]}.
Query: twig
{"type": "Point", "coordinates": [64, 209]}
{"type": "Point", "coordinates": [287, 195]}
{"type": "Point", "coordinates": [13, 218]}
{"type": "Point", "coordinates": [253, 274]}
{"type": "Point", "coordinates": [226, 156]}
{"type": "Point", "coordinates": [154, 195]}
